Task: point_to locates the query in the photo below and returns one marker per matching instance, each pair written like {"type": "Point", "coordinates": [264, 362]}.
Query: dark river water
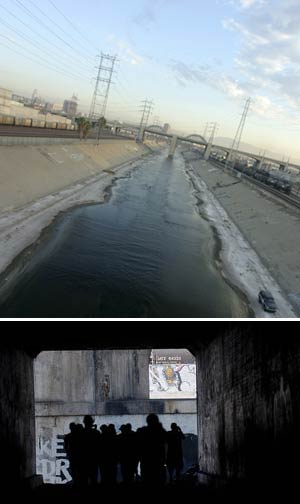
{"type": "Point", "coordinates": [147, 252]}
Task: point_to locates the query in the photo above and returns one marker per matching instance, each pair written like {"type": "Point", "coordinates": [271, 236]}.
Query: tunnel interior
{"type": "Point", "coordinates": [248, 404]}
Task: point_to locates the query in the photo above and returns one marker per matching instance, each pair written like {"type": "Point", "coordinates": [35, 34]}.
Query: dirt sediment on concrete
{"type": "Point", "coordinates": [243, 254]}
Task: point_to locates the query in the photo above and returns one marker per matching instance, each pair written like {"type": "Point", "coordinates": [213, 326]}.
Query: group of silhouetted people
{"type": "Point", "coordinates": [92, 452]}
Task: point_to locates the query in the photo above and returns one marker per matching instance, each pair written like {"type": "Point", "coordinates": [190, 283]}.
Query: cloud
{"type": "Point", "coordinates": [146, 17]}
{"type": "Point", "coordinates": [149, 13]}
{"type": "Point", "coordinates": [245, 4]}
{"type": "Point", "coordinates": [125, 51]}
{"type": "Point", "coordinates": [264, 107]}
{"type": "Point", "coordinates": [205, 74]}
{"type": "Point", "coordinates": [250, 38]}
{"type": "Point", "coordinates": [269, 54]}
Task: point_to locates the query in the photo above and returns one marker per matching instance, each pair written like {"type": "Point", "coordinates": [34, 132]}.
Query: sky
{"type": "Point", "coordinates": [198, 60]}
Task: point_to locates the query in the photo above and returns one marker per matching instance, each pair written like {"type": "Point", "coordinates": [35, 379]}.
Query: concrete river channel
{"type": "Point", "coordinates": [145, 253]}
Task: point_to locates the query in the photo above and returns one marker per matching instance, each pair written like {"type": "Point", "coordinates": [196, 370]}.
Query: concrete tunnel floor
{"type": "Point", "coordinates": [179, 492]}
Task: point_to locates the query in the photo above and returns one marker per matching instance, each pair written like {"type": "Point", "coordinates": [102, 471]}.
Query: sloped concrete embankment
{"type": "Point", "coordinates": [37, 182]}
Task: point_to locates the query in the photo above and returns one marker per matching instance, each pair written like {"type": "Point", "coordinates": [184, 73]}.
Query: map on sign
{"type": "Point", "coordinates": [172, 375]}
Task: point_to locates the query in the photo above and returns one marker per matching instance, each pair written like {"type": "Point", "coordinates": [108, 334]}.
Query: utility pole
{"type": "Point", "coordinates": [146, 111]}
{"type": "Point", "coordinates": [237, 139]}
{"type": "Point", "coordinates": [102, 87]}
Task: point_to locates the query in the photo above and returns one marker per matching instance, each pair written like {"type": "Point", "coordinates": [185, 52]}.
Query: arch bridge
{"type": "Point", "coordinates": [175, 139]}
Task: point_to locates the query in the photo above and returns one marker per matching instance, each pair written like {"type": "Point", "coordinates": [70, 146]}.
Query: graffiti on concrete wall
{"type": "Point", "coordinates": [172, 381]}
{"type": "Point", "coordinates": [172, 375]}
{"type": "Point", "coordinates": [52, 460]}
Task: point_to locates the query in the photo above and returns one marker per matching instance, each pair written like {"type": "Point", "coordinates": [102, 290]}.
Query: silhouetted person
{"type": "Point", "coordinates": [127, 451]}
{"type": "Point", "coordinates": [73, 449]}
{"type": "Point", "coordinates": [174, 451]}
{"type": "Point", "coordinates": [90, 451]}
{"type": "Point", "coordinates": [109, 455]}
{"type": "Point", "coordinates": [152, 444]}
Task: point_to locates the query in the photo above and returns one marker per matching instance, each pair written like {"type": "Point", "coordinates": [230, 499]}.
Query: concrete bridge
{"type": "Point", "coordinates": [260, 159]}
{"type": "Point", "coordinates": [198, 140]}
{"type": "Point", "coordinates": [175, 139]}
{"type": "Point", "coordinates": [248, 397]}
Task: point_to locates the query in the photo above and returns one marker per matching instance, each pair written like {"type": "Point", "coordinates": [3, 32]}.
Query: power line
{"type": "Point", "coordinates": [71, 24]}
{"type": "Point", "coordinates": [40, 22]}
{"type": "Point", "coordinates": [76, 76]}
{"type": "Point", "coordinates": [29, 40]}
{"type": "Point", "coordinates": [57, 25]}
{"type": "Point", "coordinates": [121, 95]}
{"type": "Point", "coordinates": [31, 59]}
{"type": "Point", "coordinates": [38, 34]}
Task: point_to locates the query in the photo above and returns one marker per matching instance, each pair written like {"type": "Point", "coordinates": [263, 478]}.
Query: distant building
{"type": "Point", "coordinates": [5, 94]}
{"type": "Point", "coordinates": [17, 106]}
{"type": "Point", "coordinates": [53, 107]}
{"type": "Point", "coordinates": [5, 101]}
{"type": "Point", "coordinates": [57, 107]}
{"type": "Point", "coordinates": [166, 127]}
{"type": "Point", "coordinates": [70, 107]}
{"type": "Point", "coordinates": [21, 99]}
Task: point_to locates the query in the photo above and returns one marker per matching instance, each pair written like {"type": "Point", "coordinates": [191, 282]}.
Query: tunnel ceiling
{"type": "Point", "coordinates": [38, 336]}
{"type": "Point", "coordinates": [41, 336]}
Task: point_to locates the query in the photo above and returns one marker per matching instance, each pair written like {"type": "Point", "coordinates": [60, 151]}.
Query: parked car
{"type": "Point", "coordinates": [268, 302]}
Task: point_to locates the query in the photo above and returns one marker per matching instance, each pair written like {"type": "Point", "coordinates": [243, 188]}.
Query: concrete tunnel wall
{"type": "Point", "coordinates": [17, 428]}
{"type": "Point", "coordinates": [248, 406]}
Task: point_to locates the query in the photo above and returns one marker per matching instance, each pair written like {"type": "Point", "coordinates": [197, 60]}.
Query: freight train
{"type": "Point", "coordinates": [34, 123]}
{"type": "Point", "coordinates": [270, 178]}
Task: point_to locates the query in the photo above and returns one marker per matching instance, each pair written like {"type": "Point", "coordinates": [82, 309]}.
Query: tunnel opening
{"type": "Point", "coordinates": [115, 387]}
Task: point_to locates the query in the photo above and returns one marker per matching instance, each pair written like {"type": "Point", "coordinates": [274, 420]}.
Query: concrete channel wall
{"type": "Point", "coordinates": [30, 171]}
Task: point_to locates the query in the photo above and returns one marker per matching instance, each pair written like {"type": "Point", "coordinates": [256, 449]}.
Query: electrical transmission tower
{"type": "Point", "coordinates": [205, 130]}
{"type": "Point", "coordinates": [212, 128]}
{"type": "Point", "coordinates": [156, 120]}
{"type": "Point", "coordinates": [237, 139]}
{"type": "Point", "coordinates": [102, 87]}
{"type": "Point", "coordinates": [146, 111]}
{"type": "Point", "coordinates": [34, 96]}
